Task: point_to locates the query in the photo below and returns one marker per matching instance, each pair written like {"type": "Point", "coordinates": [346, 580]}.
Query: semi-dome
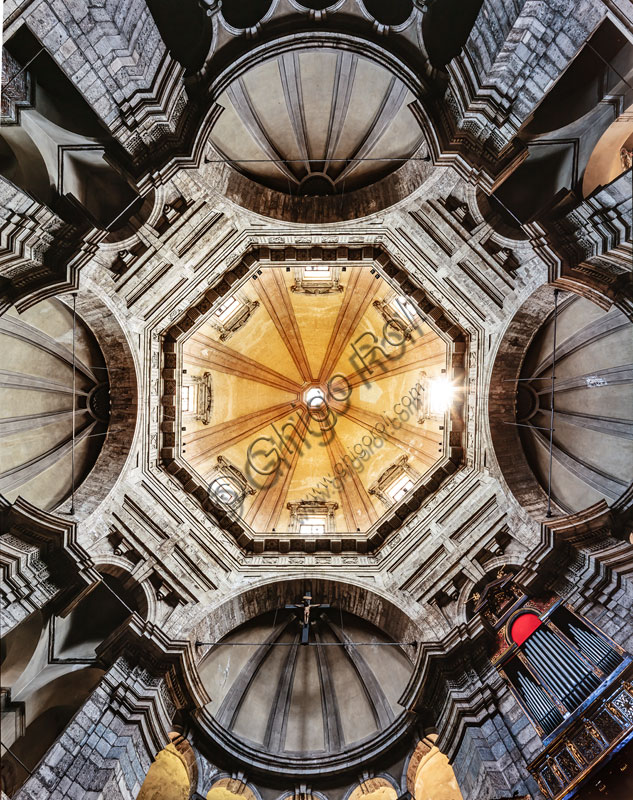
{"type": "Point", "coordinates": [593, 398]}
{"type": "Point", "coordinates": [282, 697]}
{"type": "Point", "coordinates": [36, 398]}
{"type": "Point", "coordinates": [316, 122]}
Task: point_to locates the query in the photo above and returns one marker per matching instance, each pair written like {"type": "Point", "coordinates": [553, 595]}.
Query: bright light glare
{"type": "Point", "coordinates": [440, 395]}
{"type": "Point", "coordinates": [404, 306]}
{"type": "Point", "coordinates": [314, 397]}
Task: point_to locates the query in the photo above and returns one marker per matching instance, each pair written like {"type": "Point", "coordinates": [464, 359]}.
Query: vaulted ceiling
{"type": "Point", "coordinates": [316, 122]}
{"type": "Point", "coordinates": [291, 448]}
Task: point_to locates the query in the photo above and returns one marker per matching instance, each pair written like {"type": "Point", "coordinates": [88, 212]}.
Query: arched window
{"type": "Point", "coordinates": [557, 663]}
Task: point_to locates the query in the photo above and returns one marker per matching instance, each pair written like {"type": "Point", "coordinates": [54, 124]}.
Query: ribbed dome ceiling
{"type": "Point", "coordinates": [36, 418]}
{"type": "Point", "coordinates": [301, 118]}
{"type": "Point", "coordinates": [305, 699]}
{"type": "Point", "coordinates": [285, 343]}
{"type": "Point", "coordinates": [593, 401]}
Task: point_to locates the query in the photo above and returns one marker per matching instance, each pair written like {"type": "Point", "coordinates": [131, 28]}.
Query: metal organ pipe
{"type": "Point", "coordinates": [561, 668]}
{"type": "Point", "coordinates": [534, 696]}
{"type": "Point", "coordinates": [595, 648]}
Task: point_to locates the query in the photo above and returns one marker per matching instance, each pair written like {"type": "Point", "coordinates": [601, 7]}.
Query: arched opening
{"type": "Point", "coordinates": [435, 778]}
{"type": "Point", "coordinates": [429, 775]}
{"type": "Point", "coordinates": [167, 778]}
{"type": "Point", "coordinates": [230, 789]}
{"type": "Point", "coordinates": [243, 15]}
{"type": "Point", "coordinates": [396, 12]}
{"type": "Point", "coordinates": [374, 789]}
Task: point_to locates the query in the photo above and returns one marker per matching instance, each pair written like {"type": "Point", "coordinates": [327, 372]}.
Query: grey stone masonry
{"type": "Point", "coordinates": [35, 247]}
{"type": "Point", "coordinates": [489, 764]}
{"type": "Point", "coordinates": [113, 53]}
{"type": "Point", "coordinates": [599, 223]}
{"type": "Point", "coordinates": [108, 747]}
{"type": "Point", "coordinates": [515, 52]}
{"type": "Point", "coordinates": [25, 583]}
{"type": "Point", "coordinates": [40, 561]}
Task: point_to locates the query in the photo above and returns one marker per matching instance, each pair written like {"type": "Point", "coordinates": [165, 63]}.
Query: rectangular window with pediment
{"type": "Point", "coordinates": [399, 313]}
{"type": "Point", "coordinates": [317, 279]}
{"type": "Point", "coordinates": [395, 482]}
{"type": "Point", "coordinates": [312, 518]}
{"type": "Point", "coordinates": [400, 487]}
{"type": "Point", "coordinates": [233, 314]}
{"type": "Point", "coordinates": [228, 485]}
{"type": "Point", "coordinates": [228, 309]}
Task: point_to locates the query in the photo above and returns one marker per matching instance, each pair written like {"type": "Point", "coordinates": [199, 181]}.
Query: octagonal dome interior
{"type": "Point", "coordinates": [316, 122]}
{"type": "Point", "coordinates": [311, 399]}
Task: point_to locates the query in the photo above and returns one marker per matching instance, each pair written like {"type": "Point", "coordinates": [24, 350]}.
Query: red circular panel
{"type": "Point", "coordinates": [524, 626]}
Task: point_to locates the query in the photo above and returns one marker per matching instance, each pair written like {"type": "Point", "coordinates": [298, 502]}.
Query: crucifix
{"type": "Point", "coordinates": [307, 605]}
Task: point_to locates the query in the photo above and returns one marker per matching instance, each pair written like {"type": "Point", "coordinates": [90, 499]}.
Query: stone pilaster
{"type": "Point", "coordinates": [25, 581]}
{"type": "Point", "coordinates": [40, 561]}
{"type": "Point", "coordinates": [112, 52]}
{"type": "Point", "coordinates": [588, 249]}
{"type": "Point", "coordinates": [488, 740]}
{"type": "Point", "coordinates": [36, 249]}
{"type": "Point", "coordinates": [515, 52]}
{"type": "Point", "coordinates": [598, 580]}
{"type": "Point", "coordinates": [108, 747]}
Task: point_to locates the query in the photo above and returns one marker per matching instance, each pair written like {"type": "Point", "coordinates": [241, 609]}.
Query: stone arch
{"type": "Point", "coordinates": [428, 762]}
{"type": "Point", "coordinates": [396, 14]}
{"type": "Point", "coordinates": [239, 16]}
{"type": "Point", "coordinates": [122, 373]}
{"type": "Point", "coordinates": [226, 787]}
{"type": "Point", "coordinates": [378, 787]}
{"type": "Point", "coordinates": [379, 608]}
{"type": "Point", "coordinates": [513, 345]}
{"type": "Point", "coordinates": [490, 209]}
{"type": "Point", "coordinates": [317, 6]}
{"type": "Point", "coordinates": [333, 208]}
{"type": "Point", "coordinates": [138, 595]}
{"type": "Point", "coordinates": [169, 776]}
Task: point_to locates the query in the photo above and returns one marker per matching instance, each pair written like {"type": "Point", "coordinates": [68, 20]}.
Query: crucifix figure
{"type": "Point", "coordinates": [307, 605]}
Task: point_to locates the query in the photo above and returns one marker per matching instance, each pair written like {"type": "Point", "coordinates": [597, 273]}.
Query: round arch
{"type": "Point", "coordinates": [397, 620]}
{"type": "Point", "coordinates": [511, 351]}
{"type": "Point", "coordinates": [123, 379]}
{"type": "Point", "coordinates": [429, 775]}
{"type": "Point", "coordinates": [333, 208]}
